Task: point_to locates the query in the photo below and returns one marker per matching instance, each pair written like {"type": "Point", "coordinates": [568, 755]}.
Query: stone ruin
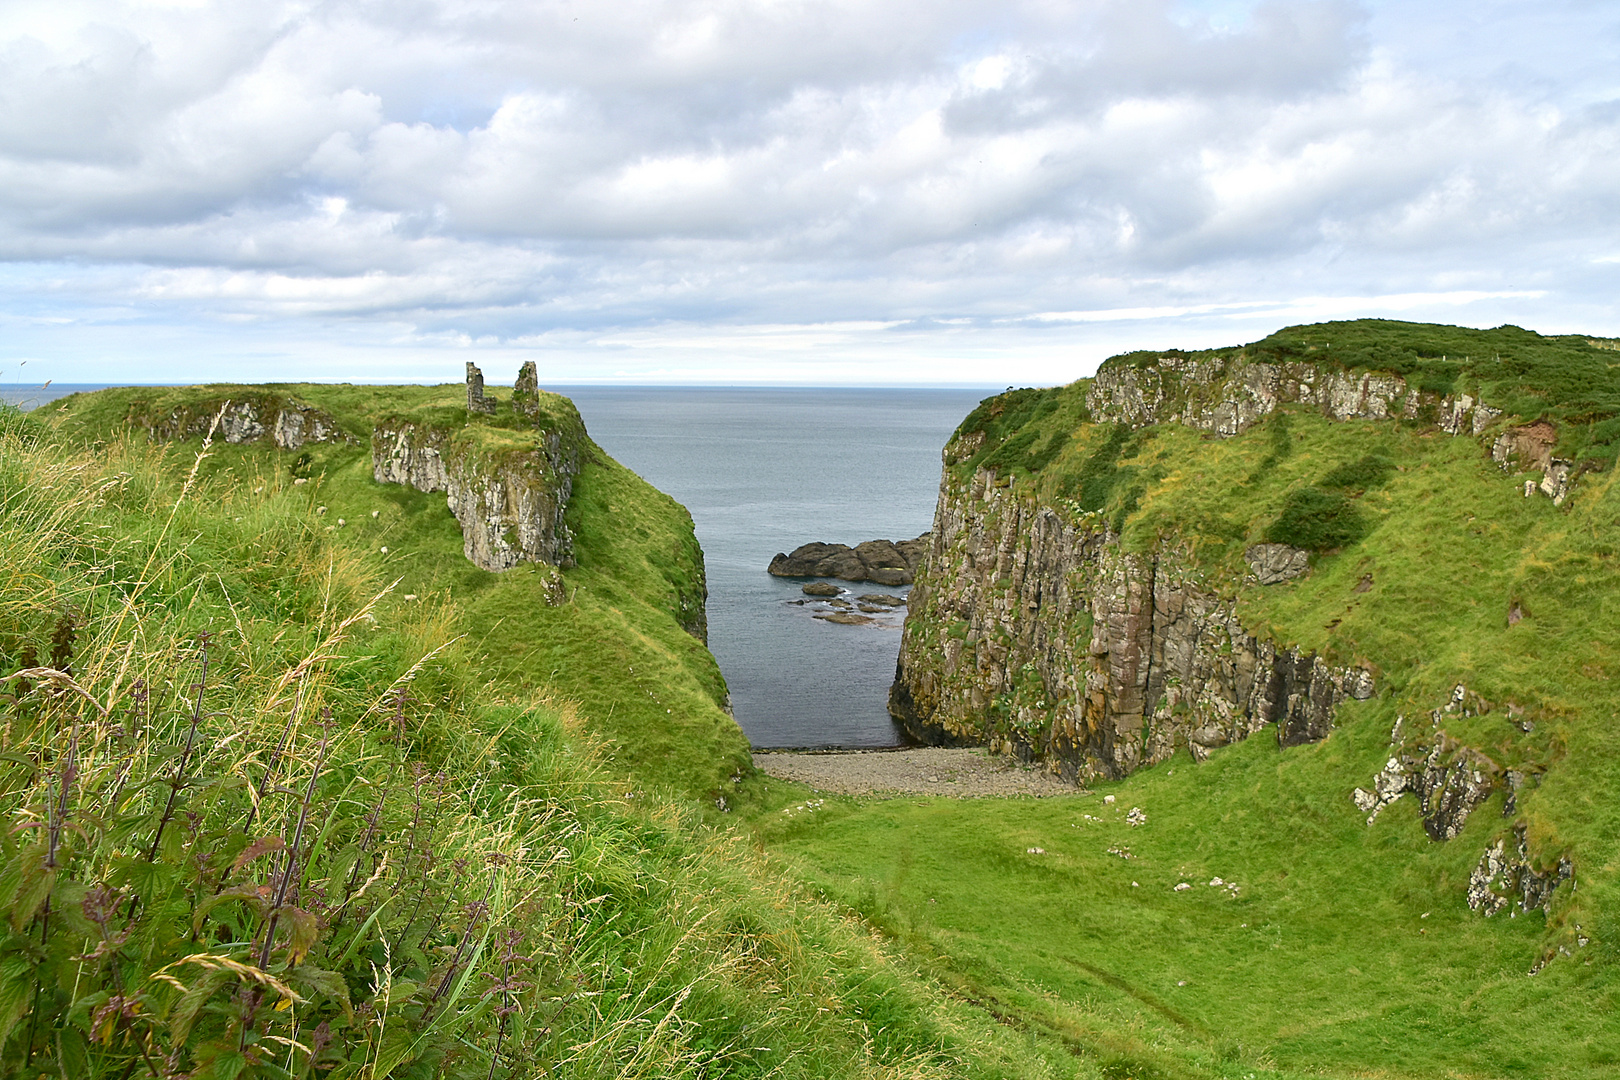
{"type": "Point", "coordinates": [476, 402]}
{"type": "Point", "coordinates": [525, 392]}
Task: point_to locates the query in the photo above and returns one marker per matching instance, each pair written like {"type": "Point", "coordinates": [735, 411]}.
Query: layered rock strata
{"type": "Point", "coordinates": [1227, 396]}
{"type": "Point", "coordinates": [1033, 632]}
{"type": "Point", "coordinates": [510, 503]}
{"type": "Point", "coordinates": [885, 562]}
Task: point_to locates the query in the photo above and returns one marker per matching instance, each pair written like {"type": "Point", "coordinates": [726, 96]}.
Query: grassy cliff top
{"type": "Point", "coordinates": [652, 696]}
{"type": "Point", "coordinates": [356, 409]}
{"type": "Point", "coordinates": [1570, 377]}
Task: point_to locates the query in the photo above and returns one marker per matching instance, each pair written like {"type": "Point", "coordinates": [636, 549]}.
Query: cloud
{"type": "Point", "coordinates": [528, 174]}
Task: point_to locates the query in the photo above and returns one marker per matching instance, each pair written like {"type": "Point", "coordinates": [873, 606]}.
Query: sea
{"type": "Point", "coordinates": [763, 470]}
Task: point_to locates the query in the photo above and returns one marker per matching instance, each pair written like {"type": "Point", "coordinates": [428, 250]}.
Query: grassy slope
{"type": "Point", "coordinates": [653, 695]}
{"type": "Point", "coordinates": [1336, 969]}
{"type": "Point", "coordinates": [645, 945]}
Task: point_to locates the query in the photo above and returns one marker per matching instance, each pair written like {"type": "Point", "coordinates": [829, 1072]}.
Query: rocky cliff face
{"type": "Point", "coordinates": [1226, 397]}
{"type": "Point", "coordinates": [510, 502]}
{"type": "Point", "coordinates": [284, 422]}
{"type": "Point", "coordinates": [1031, 631]}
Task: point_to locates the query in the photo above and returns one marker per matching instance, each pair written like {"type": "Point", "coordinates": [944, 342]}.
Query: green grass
{"type": "Point", "coordinates": [653, 694]}
{"type": "Point", "coordinates": [472, 891]}
{"type": "Point", "coordinates": [1324, 963]}
{"type": "Point", "coordinates": [1345, 952]}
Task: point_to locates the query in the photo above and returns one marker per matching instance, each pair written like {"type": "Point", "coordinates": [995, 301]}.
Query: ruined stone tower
{"type": "Point", "coordinates": [476, 402]}
{"type": "Point", "coordinates": [526, 391]}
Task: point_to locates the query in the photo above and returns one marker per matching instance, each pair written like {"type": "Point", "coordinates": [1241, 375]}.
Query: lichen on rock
{"type": "Point", "coordinates": [1505, 876]}
{"type": "Point", "coordinates": [249, 416]}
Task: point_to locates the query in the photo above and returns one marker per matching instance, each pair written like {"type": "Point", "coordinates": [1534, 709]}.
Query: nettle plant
{"type": "Point", "coordinates": [190, 893]}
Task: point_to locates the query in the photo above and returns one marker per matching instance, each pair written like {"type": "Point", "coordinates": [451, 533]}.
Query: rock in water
{"type": "Point", "coordinates": [821, 588]}
{"type": "Point", "coordinates": [885, 562]}
{"type": "Point", "coordinates": [1276, 563]}
{"type": "Point", "coordinates": [845, 618]}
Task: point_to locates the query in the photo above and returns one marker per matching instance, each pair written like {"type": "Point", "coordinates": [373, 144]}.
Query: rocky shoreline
{"type": "Point", "coordinates": [928, 770]}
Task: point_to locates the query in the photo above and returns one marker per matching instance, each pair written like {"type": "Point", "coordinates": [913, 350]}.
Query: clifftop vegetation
{"type": "Point", "coordinates": [1425, 886]}
{"type": "Point", "coordinates": [295, 791]}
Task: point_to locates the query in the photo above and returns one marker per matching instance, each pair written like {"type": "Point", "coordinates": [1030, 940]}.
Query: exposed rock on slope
{"type": "Point", "coordinates": [1227, 396]}
{"type": "Point", "coordinates": [1451, 780]}
{"type": "Point", "coordinates": [251, 417]}
{"type": "Point", "coordinates": [1031, 631]}
{"type": "Point", "coordinates": [882, 561]}
{"type": "Point", "coordinates": [510, 500]}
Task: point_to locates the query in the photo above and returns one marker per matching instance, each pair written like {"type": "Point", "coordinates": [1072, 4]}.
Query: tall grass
{"type": "Point", "coordinates": [262, 823]}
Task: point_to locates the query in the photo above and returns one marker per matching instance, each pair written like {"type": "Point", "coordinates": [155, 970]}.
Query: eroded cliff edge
{"type": "Point", "coordinates": [1162, 556]}
{"type": "Point", "coordinates": [1032, 631]}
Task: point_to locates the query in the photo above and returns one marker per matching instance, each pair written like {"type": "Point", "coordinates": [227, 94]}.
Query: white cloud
{"type": "Point", "coordinates": [670, 176]}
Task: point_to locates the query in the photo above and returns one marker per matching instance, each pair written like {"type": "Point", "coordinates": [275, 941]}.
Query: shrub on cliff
{"type": "Point", "coordinates": [1317, 519]}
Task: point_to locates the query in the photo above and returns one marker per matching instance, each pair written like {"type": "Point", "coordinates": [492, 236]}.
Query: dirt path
{"type": "Point", "coordinates": [929, 770]}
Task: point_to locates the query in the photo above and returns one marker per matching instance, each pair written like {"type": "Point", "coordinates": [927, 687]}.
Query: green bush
{"type": "Point", "coordinates": [1364, 474]}
{"type": "Point", "coordinates": [1317, 520]}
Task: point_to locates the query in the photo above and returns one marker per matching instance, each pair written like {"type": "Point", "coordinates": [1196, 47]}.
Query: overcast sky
{"type": "Point", "coordinates": [799, 191]}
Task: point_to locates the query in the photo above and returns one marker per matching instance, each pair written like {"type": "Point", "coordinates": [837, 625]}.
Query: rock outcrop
{"type": "Point", "coordinates": [1505, 876]}
{"type": "Point", "coordinates": [1529, 449]}
{"type": "Point", "coordinates": [1451, 780]}
{"type": "Point", "coordinates": [1031, 631]}
{"type": "Point", "coordinates": [1274, 564]}
{"type": "Point", "coordinates": [253, 416]}
{"type": "Point", "coordinates": [510, 501]}
{"type": "Point", "coordinates": [1227, 396]}
{"type": "Point", "coordinates": [884, 562]}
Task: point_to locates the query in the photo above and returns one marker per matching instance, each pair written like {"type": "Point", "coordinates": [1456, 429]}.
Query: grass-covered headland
{"type": "Point", "coordinates": [1250, 920]}
{"type": "Point", "coordinates": [293, 790]}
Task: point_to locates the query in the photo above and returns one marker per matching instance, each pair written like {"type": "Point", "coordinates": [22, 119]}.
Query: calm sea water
{"type": "Point", "coordinates": [762, 471]}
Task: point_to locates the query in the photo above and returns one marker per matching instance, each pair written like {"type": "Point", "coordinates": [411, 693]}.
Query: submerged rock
{"type": "Point", "coordinates": [846, 618]}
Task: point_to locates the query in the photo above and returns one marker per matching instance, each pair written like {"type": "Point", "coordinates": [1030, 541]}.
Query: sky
{"type": "Point", "coordinates": [865, 192]}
